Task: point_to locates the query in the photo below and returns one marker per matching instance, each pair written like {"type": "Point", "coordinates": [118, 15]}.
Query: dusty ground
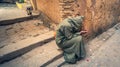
{"type": "Point", "coordinates": [35, 57]}
{"type": "Point", "coordinates": [108, 55]}
{"type": "Point", "coordinates": [20, 31]}
{"type": "Point", "coordinates": [104, 52]}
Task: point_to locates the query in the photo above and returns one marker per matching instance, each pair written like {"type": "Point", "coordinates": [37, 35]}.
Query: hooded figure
{"type": "Point", "coordinates": [68, 38]}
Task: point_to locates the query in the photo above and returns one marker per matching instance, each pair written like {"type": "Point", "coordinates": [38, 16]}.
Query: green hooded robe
{"type": "Point", "coordinates": [68, 38]}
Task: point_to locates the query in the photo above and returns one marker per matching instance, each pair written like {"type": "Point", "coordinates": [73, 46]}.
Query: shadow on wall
{"type": "Point", "coordinates": [101, 15]}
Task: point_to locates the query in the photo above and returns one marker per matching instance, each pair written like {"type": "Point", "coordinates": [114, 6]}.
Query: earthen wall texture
{"type": "Point", "coordinates": [50, 8]}
{"type": "Point", "coordinates": [99, 15]}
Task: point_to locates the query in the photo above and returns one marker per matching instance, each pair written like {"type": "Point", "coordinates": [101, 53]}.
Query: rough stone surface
{"type": "Point", "coordinates": [101, 15]}
{"type": "Point", "coordinates": [19, 31]}
{"type": "Point", "coordinates": [50, 8]}
{"type": "Point", "coordinates": [106, 56]}
{"type": "Point", "coordinates": [10, 11]}
{"type": "Point", "coordinates": [26, 43]}
{"type": "Point", "coordinates": [36, 57]}
{"type": "Point", "coordinates": [101, 52]}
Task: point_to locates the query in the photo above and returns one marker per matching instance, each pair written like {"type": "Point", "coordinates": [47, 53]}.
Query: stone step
{"type": "Point", "coordinates": [38, 57]}
{"type": "Point", "coordinates": [14, 50]}
{"type": "Point", "coordinates": [56, 63]}
{"type": "Point", "coordinates": [92, 47]}
{"type": "Point", "coordinates": [16, 20]}
{"type": "Point", "coordinates": [100, 57]}
{"type": "Point", "coordinates": [49, 56]}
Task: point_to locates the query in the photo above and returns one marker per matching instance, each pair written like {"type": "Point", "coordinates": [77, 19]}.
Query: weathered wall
{"type": "Point", "coordinates": [99, 14]}
{"type": "Point", "coordinates": [82, 6]}
{"type": "Point", "coordinates": [50, 8]}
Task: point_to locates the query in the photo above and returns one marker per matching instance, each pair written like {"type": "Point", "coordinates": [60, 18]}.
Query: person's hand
{"type": "Point", "coordinates": [83, 32]}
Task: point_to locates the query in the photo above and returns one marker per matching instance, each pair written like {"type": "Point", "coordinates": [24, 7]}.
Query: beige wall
{"type": "Point", "coordinates": [50, 8]}
{"type": "Point", "coordinates": [99, 14]}
{"type": "Point", "coordinates": [82, 6]}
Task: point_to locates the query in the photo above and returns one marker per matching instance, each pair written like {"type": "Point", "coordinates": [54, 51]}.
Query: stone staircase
{"type": "Point", "coordinates": [48, 55]}
{"type": "Point", "coordinates": [36, 52]}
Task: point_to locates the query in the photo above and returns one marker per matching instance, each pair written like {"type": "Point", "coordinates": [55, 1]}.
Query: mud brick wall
{"type": "Point", "coordinates": [50, 8]}
{"type": "Point", "coordinates": [67, 8]}
{"type": "Point", "coordinates": [56, 10]}
{"type": "Point", "coordinates": [99, 14]}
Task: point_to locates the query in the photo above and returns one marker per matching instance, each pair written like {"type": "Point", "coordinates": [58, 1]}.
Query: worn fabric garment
{"type": "Point", "coordinates": [68, 38]}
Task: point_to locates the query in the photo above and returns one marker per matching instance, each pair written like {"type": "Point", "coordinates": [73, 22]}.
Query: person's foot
{"type": "Point", "coordinates": [81, 58]}
{"type": "Point", "coordinates": [72, 62]}
{"type": "Point", "coordinates": [63, 63]}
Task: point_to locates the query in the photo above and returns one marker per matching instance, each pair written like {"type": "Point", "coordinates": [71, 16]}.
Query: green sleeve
{"type": "Point", "coordinates": [68, 32]}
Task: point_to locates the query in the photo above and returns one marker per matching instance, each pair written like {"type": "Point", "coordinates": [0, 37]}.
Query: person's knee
{"type": "Point", "coordinates": [78, 38]}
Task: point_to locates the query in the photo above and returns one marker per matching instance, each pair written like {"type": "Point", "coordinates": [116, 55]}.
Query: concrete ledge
{"type": "Point", "coordinates": [52, 60]}
{"type": "Point", "coordinates": [14, 50]}
{"type": "Point", "coordinates": [16, 20]}
{"type": "Point", "coordinates": [91, 47]}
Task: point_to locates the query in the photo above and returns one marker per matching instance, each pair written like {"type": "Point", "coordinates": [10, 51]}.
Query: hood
{"type": "Point", "coordinates": [76, 22]}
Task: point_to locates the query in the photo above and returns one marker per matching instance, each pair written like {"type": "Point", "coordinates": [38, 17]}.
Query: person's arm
{"type": "Point", "coordinates": [83, 32]}
{"type": "Point", "coordinates": [80, 33]}
{"type": "Point", "coordinates": [68, 32]}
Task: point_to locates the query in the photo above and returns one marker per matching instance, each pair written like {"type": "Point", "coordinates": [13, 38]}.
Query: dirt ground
{"type": "Point", "coordinates": [20, 31]}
